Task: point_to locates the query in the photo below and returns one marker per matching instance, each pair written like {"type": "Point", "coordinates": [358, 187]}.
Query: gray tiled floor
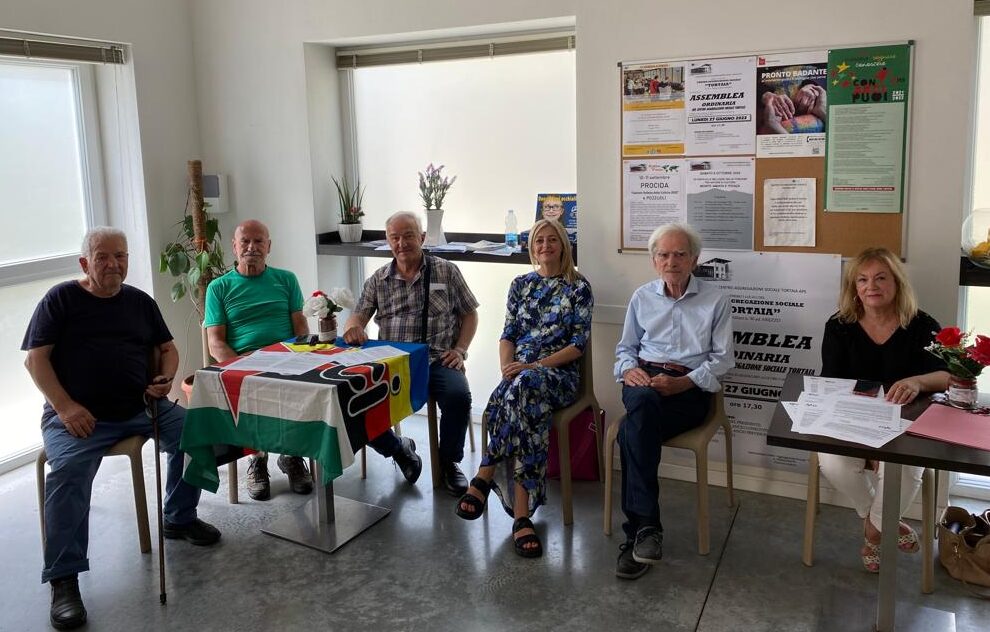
{"type": "Point", "coordinates": [422, 568]}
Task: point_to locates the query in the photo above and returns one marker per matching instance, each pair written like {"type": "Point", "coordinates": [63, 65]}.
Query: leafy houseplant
{"type": "Point", "coordinates": [350, 199]}
{"type": "Point", "coordinates": [193, 261]}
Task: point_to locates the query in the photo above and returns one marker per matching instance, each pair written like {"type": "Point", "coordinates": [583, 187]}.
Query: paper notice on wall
{"type": "Point", "coordinates": [721, 107]}
{"type": "Point", "coordinates": [720, 201]}
{"type": "Point", "coordinates": [652, 109]}
{"type": "Point", "coordinates": [653, 195]}
{"type": "Point", "coordinates": [789, 212]}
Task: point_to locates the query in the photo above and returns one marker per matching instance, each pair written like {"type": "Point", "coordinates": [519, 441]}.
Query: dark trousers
{"type": "Point", "coordinates": [651, 419]}
{"type": "Point", "coordinates": [449, 387]}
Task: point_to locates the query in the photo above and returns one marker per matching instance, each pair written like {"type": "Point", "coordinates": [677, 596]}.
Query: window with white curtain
{"type": "Point", "coordinates": [505, 126]}
{"type": "Point", "coordinates": [976, 315]}
{"type": "Point", "coordinates": [51, 192]}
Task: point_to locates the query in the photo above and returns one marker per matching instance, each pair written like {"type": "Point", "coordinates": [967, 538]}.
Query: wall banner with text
{"type": "Point", "coordinates": [778, 318]}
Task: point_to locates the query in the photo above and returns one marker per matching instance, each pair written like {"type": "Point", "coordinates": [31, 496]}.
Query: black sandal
{"type": "Point", "coordinates": [530, 538]}
{"type": "Point", "coordinates": [477, 506]}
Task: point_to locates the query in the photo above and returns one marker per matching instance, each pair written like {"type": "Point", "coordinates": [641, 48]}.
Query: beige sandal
{"type": "Point", "coordinates": [871, 559]}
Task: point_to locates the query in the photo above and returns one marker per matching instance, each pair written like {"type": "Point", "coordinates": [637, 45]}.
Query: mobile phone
{"type": "Point", "coordinates": [307, 339]}
{"type": "Point", "coordinates": [867, 387]}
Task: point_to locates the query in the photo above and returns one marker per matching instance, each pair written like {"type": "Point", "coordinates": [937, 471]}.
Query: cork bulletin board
{"type": "Point", "coordinates": [698, 142]}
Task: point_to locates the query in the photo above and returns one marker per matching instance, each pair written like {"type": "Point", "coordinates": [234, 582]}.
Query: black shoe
{"type": "Point", "coordinates": [626, 567]}
{"type": "Point", "coordinates": [453, 478]}
{"type": "Point", "coordinates": [649, 545]}
{"type": "Point", "coordinates": [67, 611]}
{"type": "Point", "coordinates": [259, 484]}
{"type": "Point", "coordinates": [408, 461]}
{"type": "Point", "coordinates": [197, 532]}
{"type": "Point", "coordinates": [300, 480]}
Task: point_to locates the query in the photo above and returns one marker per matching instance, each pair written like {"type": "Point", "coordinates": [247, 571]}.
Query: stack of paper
{"type": "Point", "coordinates": [829, 409]}
{"type": "Point", "coordinates": [484, 244]}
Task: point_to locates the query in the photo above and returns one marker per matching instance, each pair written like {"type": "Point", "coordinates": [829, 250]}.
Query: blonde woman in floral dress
{"type": "Point", "coordinates": [547, 324]}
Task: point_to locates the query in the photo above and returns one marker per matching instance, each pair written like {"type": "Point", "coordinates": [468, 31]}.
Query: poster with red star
{"type": "Point", "coordinates": [868, 96]}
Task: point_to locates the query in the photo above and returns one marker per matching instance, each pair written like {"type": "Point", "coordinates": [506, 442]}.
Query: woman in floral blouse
{"type": "Point", "coordinates": [547, 323]}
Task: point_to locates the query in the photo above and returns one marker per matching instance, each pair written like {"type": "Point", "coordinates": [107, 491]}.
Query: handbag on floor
{"type": "Point", "coordinates": [584, 449]}
{"type": "Point", "coordinates": [964, 546]}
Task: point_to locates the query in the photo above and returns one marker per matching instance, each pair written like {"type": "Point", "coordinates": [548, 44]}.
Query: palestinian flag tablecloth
{"type": "Point", "coordinates": [327, 414]}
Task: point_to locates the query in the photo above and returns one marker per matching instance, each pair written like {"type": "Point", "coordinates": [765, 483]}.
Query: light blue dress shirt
{"type": "Point", "coordinates": [694, 330]}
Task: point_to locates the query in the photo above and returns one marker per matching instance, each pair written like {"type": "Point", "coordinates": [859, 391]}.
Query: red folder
{"type": "Point", "coordinates": [952, 425]}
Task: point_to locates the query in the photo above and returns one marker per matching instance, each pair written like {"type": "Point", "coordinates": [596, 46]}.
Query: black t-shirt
{"type": "Point", "coordinates": [101, 346]}
{"type": "Point", "coordinates": [848, 352]}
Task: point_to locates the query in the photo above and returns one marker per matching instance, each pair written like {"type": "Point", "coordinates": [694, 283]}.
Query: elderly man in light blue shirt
{"type": "Point", "coordinates": [676, 343]}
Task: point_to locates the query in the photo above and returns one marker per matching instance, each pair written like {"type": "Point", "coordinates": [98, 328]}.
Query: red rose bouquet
{"type": "Point", "coordinates": [965, 360]}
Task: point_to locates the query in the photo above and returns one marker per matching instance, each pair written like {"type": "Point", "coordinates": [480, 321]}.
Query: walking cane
{"type": "Point", "coordinates": [153, 413]}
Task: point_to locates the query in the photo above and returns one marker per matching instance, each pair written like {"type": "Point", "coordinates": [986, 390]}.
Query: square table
{"type": "Point", "coordinates": [904, 450]}
{"type": "Point", "coordinates": [328, 414]}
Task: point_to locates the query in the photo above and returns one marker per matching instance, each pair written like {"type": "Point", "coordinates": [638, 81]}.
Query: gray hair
{"type": "Point", "coordinates": [97, 234]}
{"type": "Point", "coordinates": [412, 217]}
{"type": "Point", "coordinates": [694, 239]}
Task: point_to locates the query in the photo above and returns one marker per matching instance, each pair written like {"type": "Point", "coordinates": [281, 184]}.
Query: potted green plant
{"type": "Point", "coordinates": [350, 199]}
{"type": "Point", "coordinates": [193, 260]}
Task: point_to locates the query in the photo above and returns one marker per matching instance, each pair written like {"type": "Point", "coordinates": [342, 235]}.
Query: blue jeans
{"type": "Point", "coordinates": [69, 485]}
{"type": "Point", "coordinates": [651, 419]}
{"type": "Point", "coordinates": [449, 387]}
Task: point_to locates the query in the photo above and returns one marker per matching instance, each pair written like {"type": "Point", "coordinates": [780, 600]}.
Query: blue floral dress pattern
{"type": "Point", "coordinates": [543, 315]}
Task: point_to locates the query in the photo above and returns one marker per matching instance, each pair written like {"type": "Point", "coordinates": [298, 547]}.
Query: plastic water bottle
{"type": "Point", "coordinates": [511, 230]}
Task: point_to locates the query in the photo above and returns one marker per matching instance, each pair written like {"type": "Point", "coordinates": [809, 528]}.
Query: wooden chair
{"type": "Point", "coordinates": [434, 431]}
{"type": "Point", "coordinates": [560, 422]}
{"type": "Point", "coordinates": [129, 447]}
{"type": "Point", "coordinates": [697, 441]}
{"type": "Point", "coordinates": [929, 485]}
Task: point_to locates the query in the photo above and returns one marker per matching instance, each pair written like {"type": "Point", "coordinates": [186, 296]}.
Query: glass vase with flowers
{"type": "Point", "coordinates": [324, 306]}
{"type": "Point", "coordinates": [965, 363]}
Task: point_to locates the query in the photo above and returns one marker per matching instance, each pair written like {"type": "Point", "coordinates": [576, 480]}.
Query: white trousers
{"type": "Point", "coordinates": [864, 487]}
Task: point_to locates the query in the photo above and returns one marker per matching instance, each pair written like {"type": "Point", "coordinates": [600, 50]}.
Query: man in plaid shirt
{"type": "Point", "coordinates": [399, 295]}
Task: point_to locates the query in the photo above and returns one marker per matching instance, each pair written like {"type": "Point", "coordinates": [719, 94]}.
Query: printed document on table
{"type": "Point", "coordinates": [364, 356]}
{"type": "Point", "coordinates": [805, 411]}
{"type": "Point", "coordinates": [827, 385]}
{"type": "Point", "coordinates": [279, 362]}
{"type": "Point", "coordinates": [866, 420]}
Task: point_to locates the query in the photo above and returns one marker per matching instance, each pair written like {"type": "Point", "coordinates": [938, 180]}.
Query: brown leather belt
{"type": "Point", "coordinates": [666, 366]}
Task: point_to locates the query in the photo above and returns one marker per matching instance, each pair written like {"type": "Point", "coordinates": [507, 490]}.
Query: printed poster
{"type": "Point", "coordinates": [720, 201]}
{"type": "Point", "coordinates": [789, 212]}
{"type": "Point", "coordinates": [868, 94]}
{"type": "Point", "coordinates": [653, 195]}
{"type": "Point", "coordinates": [561, 207]}
{"type": "Point", "coordinates": [791, 104]}
{"type": "Point", "coordinates": [653, 109]}
{"type": "Point", "coordinates": [721, 107]}
{"type": "Point", "coordinates": [778, 318]}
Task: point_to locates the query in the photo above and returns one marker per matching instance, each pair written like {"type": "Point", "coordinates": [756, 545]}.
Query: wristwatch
{"type": "Point", "coordinates": [463, 352]}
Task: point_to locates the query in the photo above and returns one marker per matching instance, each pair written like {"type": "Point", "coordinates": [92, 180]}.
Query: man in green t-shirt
{"type": "Point", "coordinates": [252, 306]}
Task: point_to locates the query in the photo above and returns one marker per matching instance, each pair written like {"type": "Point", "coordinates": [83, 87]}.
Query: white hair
{"type": "Point", "coordinates": [412, 217]}
{"type": "Point", "coordinates": [694, 239]}
{"type": "Point", "coordinates": [97, 234]}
